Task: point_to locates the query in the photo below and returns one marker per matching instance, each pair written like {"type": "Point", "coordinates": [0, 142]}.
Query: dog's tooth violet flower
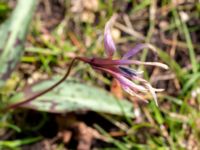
{"type": "Point", "coordinates": [118, 68]}
{"type": "Point", "coordinates": [130, 79]}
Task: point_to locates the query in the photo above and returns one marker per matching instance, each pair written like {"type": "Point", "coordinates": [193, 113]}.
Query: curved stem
{"type": "Point", "coordinates": [12, 106]}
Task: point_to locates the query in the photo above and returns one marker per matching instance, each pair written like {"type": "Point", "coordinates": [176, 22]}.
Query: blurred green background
{"type": "Point", "coordinates": [38, 40]}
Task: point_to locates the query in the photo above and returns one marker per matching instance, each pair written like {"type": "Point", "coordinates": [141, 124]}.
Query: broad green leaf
{"type": "Point", "coordinates": [73, 96]}
{"type": "Point", "coordinates": [13, 32]}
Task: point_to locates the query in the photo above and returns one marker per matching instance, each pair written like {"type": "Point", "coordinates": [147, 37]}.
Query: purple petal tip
{"type": "Point", "coordinates": [137, 49]}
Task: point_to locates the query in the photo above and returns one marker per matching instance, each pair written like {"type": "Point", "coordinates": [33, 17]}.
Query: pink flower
{"type": "Point", "coordinates": [119, 68]}
{"type": "Point", "coordinates": [130, 79]}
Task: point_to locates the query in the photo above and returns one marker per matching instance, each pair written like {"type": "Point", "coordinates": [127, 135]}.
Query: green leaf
{"type": "Point", "coordinates": [194, 78]}
{"type": "Point", "coordinates": [13, 33]}
{"type": "Point", "coordinates": [16, 143]}
{"type": "Point", "coordinates": [73, 96]}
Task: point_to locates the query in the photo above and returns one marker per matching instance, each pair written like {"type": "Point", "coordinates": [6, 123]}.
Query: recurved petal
{"type": "Point", "coordinates": [109, 44]}
{"type": "Point", "coordinates": [136, 62]}
{"type": "Point", "coordinates": [137, 49]}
